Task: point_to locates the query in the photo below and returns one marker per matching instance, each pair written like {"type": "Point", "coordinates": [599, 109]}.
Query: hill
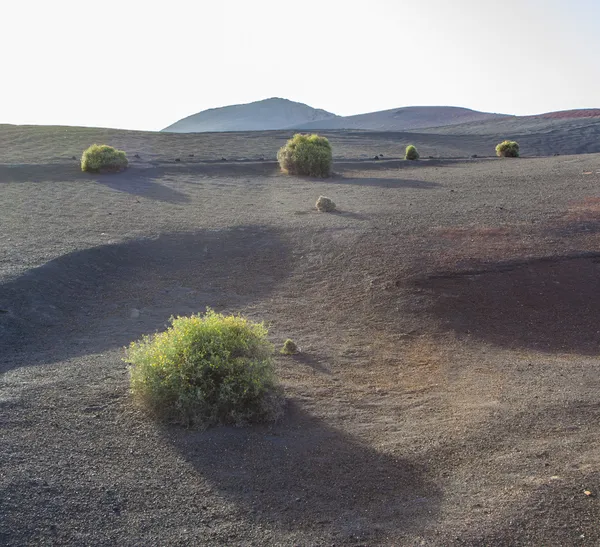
{"type": "Point", "coordinates": [537, 137]}
{"type": "Point", "coordinates": [570, 114]}
{"type": "Point", "coordinates": [263, 115]}
{"type": "Point", "coordinates": [404, 119]}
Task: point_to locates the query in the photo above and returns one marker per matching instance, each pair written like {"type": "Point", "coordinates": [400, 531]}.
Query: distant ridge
{"type": "Point", "coordinates": [268, 114]}
{"type": "Point", "coordinates": [405, 119]}
{"type": "Point", "coordinates": [570, 114]}
{"type": "Point", "coordinates": [276, 113]}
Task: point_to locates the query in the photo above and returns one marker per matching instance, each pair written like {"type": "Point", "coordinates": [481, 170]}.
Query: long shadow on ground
{"type": "Point", "coordinates": [143, 182]}
{"type": "Point", "coordinates": [309, 477]}
{"type": "Point", "coordinates": [99, 298]}
{"type": "Point", "coordinates": [549, 304]}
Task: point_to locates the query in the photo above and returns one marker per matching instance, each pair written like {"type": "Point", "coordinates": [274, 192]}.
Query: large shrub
{"type": "Point", "coordinates": [100, 158]}
{"type": "Point", "coordinates": [206, 369]}
{"type": "Point", "coordinates": [411, 153]}
{"type": "Point", "coordinates": [508, 149]}
{"type": "Point", "coordinates": [306, 155]}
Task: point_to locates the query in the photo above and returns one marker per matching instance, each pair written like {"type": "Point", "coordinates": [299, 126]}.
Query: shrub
{"type": "Point", "coordinates": [289, 347]}
{"type": "Point", "coordinates": [507, 149]}
{"type": "Point", "coordinates": [103, 158]}
{"type": "Point", "coordinates": [411, 153]}
{"type": "Point", "coordinates": [206, 369]}
{"type": "Point", "coordinates": [306, 155]}
{"type": "Point", "coordinates": [325, 205]}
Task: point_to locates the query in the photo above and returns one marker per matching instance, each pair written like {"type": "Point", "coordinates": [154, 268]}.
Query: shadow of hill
{"type": "Point", "coordinates": [136, 181]}
{"type": "Point", "coordinates": [548, 304]}
{"type": "Point", "coordinates": [103, 297]}
{"type": "Point", "coordinates": [306, 476]}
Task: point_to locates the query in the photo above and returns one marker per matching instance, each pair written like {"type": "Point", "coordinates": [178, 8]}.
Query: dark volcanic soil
{"type": "Point", "coordinates": [447, 388]}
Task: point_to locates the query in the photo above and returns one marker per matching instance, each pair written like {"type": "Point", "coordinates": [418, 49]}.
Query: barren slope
{"type": "Point", "coordinates": [404, 119]}
{"type": "Point", "coordinates": [50, 145]}
{"type": "Point", "coordinates": [446, 393]}
{"type": "Point", "coordinates": [263, 115]}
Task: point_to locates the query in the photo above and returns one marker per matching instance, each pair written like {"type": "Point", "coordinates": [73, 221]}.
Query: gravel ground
{"type": "Point", "coordinates": [447, 388]}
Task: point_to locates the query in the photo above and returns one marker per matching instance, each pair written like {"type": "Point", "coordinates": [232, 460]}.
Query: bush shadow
{"type": "Point", "coordinates": [385, 182]}
{"type": "Point", "coordinates": [99, 298]}
{"type": "Point", "coordinates": [305, 475]}
{"type": "Point", "coordinates": [143, 183]}
{"type": "Point", "coordinates": [310, 360]}
{"type": "Point", "coordinates": [548, 304]}
{"type": "Point", "coordinates": [137, 181]}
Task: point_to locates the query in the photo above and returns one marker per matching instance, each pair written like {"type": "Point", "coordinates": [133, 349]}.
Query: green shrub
{"type": "Point", "coordinates": [306, 155]}
{"type": "Point", "coordinates": [101, 158]}
{"type": "Point", "coordinates": [507, 149]}
{"type": "Point", "coordinates": [206, 369]}
{"type": "Point", "coordinates": [411, 153]}
{"type": "Point", "coordinates": [289, 347]}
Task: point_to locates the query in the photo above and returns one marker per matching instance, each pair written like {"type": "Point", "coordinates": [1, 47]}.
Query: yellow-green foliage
{"type": "Point", "coordinates": [507, 149]}
{"type": "Point", "coordinates": [306, 155]}
{"type": "Point", "coordinates": [289, 347]}
{"type": "Point", "coordinates": [206, 369]}
{"type": "Point", "coordinates": [411, 153]}
{"type": "Point", "coordinates": [103, 158]}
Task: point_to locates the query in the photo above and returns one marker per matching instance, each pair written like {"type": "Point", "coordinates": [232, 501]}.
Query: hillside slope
{"type": "Point", "coordinates": [403, 119]}
{"type": "Point", "coordinates": [263, 115]}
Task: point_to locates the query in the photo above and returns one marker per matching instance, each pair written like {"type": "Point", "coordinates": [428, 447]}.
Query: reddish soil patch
{"type": "Point", "coordinates": [571, 114]}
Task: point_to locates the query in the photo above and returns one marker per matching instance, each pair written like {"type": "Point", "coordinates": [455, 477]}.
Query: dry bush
{"type": "Point", "coordinates": [411, 153]}
{"type": "Point", "coordinates": [100, 158]}
{"type": "Point", "coordinates": [308, 155]}
{"type": "Point", "coordinates": [289, 347]}
{"type": "Point", "coordinates": [507, 149]}
{"type": "Point", "coordinates": [206, 369]}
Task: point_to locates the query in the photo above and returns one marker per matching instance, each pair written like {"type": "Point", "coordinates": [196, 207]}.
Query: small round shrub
{"type": "Point", "coordinates": [206, 369]}
{"type": "Point", "coordinates": [325, 205]}
{"type": "Point", "coordinates": [100, 158]}
{"type": "Point", "coordinates": [308, 155]}
{"type": "Point", "coordinates": [289, 347]}
{"type": "Point", "coordinates": [411, 153]}
{"type": "Point", "coordinates": [507, 149]}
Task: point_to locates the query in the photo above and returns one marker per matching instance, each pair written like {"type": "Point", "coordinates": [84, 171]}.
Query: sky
{"type": "Point", "coordinates": [132, 65]}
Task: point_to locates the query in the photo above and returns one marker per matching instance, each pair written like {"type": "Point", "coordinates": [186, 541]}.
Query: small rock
{"type": "Point", "coordinates": [325, 205]}
{"type": "Point", "coordinates": [190, 155]}
{"type": "Point", "coordinates": [137, 156]}
{"type": "Point", "coordinates": [376, 158]}
{"type": "Point", "coordinates": [223, 159]}
{"type": "Point", "coordinates": [177, 159]}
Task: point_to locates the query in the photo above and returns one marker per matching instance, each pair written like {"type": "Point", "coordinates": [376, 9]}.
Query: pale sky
{"type": "Point", "coordinates": [135, 65]}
